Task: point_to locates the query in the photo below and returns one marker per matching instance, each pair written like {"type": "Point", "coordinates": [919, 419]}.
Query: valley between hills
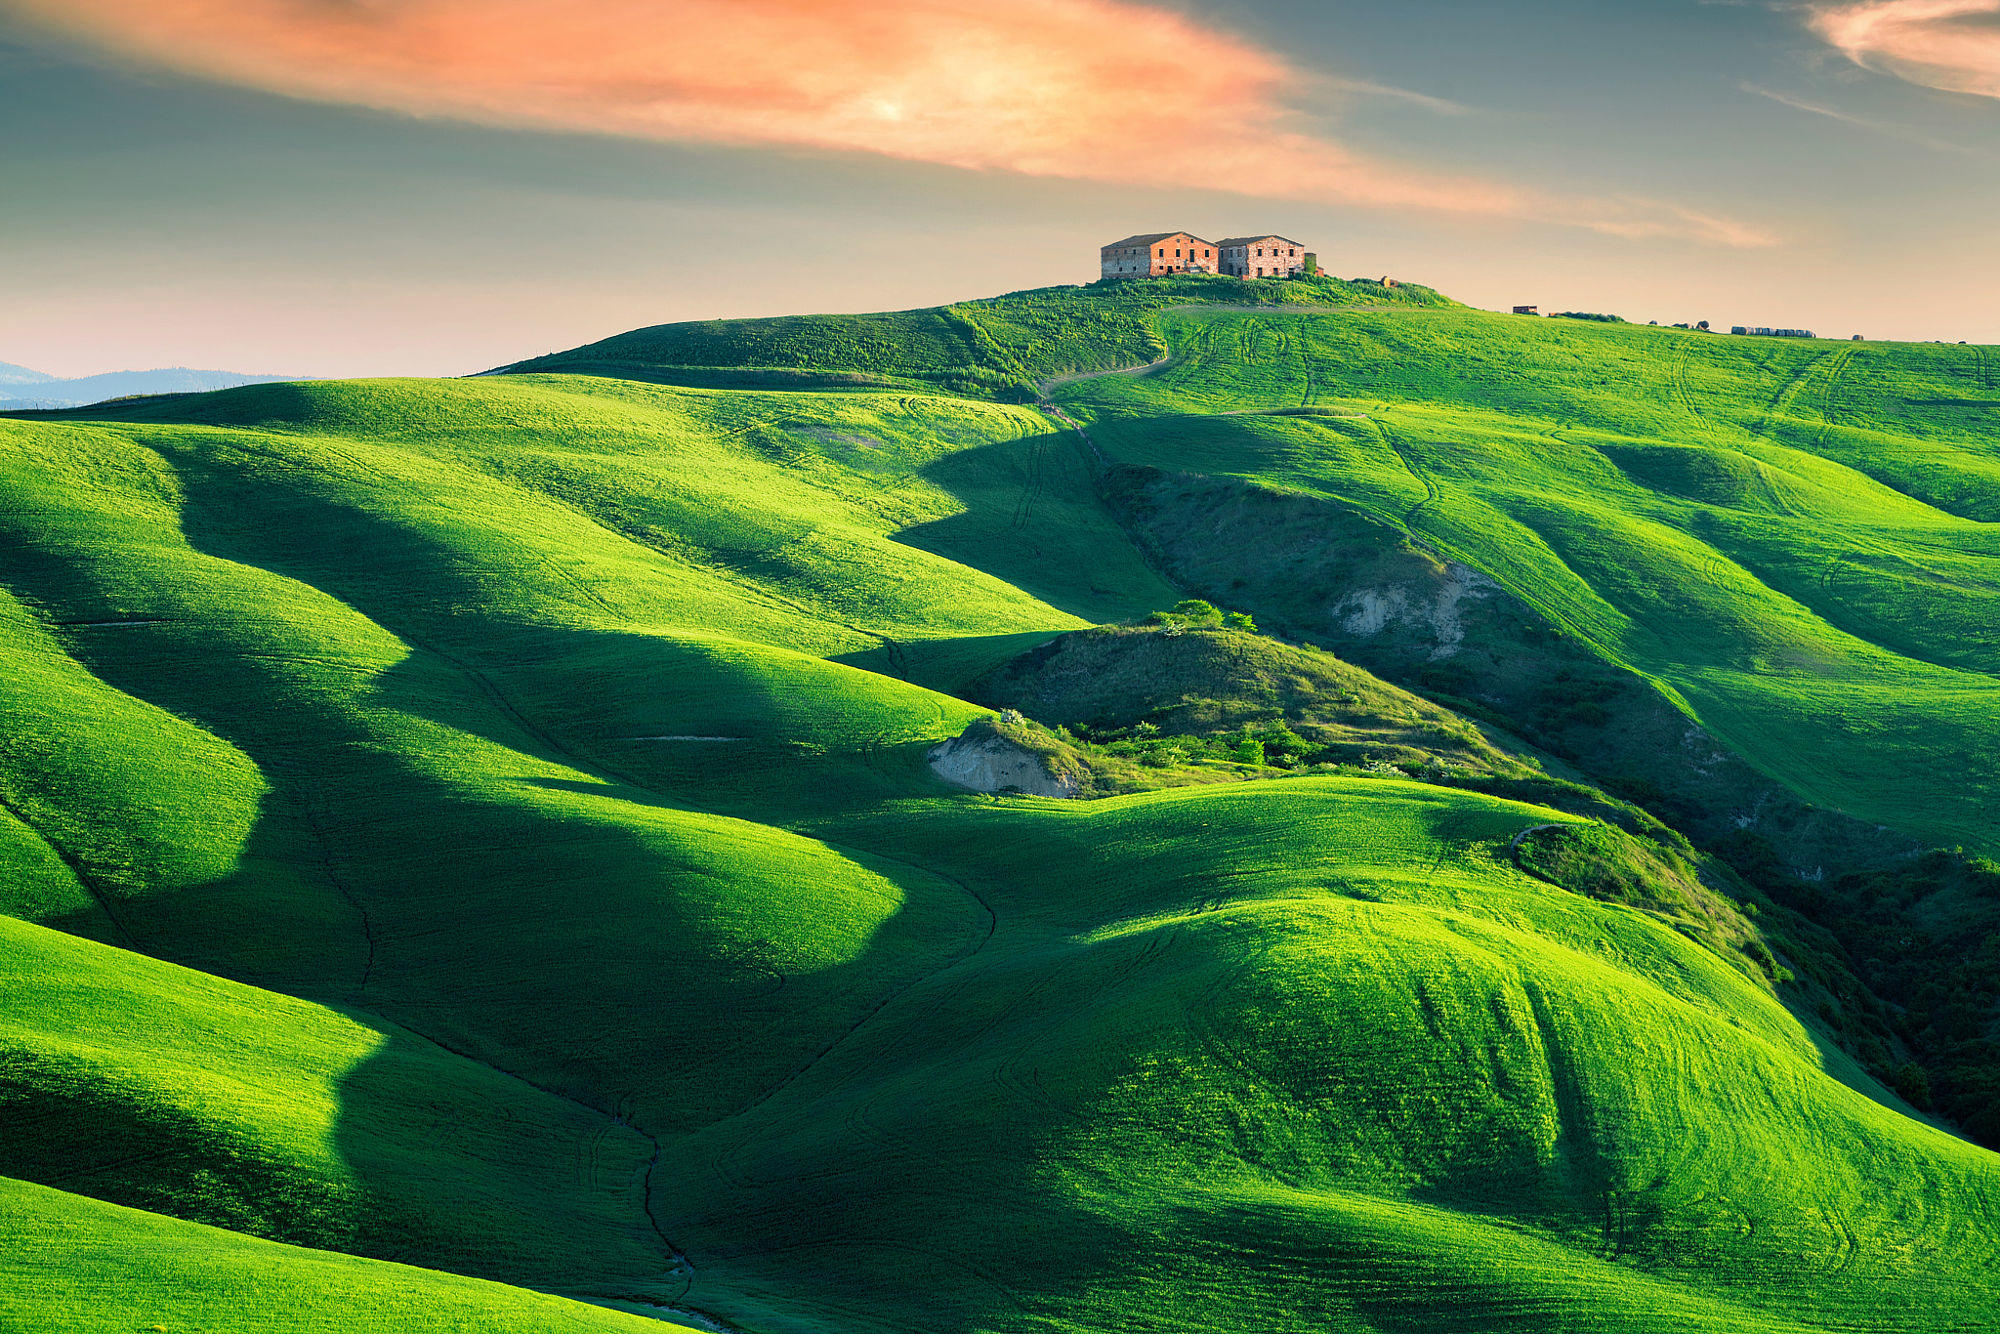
{"type": "Point", "coordinates": [1514, 846]}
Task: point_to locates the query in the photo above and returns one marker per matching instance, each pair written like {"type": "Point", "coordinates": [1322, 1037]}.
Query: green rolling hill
{"type": "Point", "coordinates": [473, 860]}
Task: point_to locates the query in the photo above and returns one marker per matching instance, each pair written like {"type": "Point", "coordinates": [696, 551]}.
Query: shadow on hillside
{"type": "Point", "coordinates": [593, 936]}
{"type": "Point", "coordinates": [1033, 518]}
{"type": "Point", "coordinates": [945, 665]}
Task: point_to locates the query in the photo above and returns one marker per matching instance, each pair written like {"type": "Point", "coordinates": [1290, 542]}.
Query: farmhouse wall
{"type": "Point", "coordinates": [1142, 257]}
{"type": "Point", "coordinates": [1262, 257]}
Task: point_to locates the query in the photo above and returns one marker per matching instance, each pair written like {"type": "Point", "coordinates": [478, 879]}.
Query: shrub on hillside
{"type": "Point", "coordinates": [1195, 614]}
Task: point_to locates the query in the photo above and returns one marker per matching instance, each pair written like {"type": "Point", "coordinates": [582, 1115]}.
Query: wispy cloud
{"type": "Point", "coordinates": [1952, 45]}
{"type": "Point", "coordinates": [1442, 106]}
{"type": "Point", "coordinates": [1887, 128]}
{"type": "Point", "coordinates": [1101, 90]}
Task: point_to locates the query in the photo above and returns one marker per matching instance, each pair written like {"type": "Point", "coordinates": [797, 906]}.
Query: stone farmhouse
{"type": "Point", "coordinates": [1261, 256]}
{"type": "Point", "coordinates": [1159, 253]}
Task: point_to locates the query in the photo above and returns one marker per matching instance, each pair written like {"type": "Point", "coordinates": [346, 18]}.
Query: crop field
{"type": "Point", "coordinates": [471, 861]}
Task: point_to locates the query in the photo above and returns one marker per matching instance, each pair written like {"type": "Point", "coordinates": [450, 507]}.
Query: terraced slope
{"type": "Point", "coordinates": [485, 826]}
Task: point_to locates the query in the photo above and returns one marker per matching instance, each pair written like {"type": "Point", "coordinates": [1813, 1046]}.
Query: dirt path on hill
{"type": "Point", "coordinates": [1515, 844]}
{"type": "Point", "coordinates": [1054, 383]}
{"type": "Point", "coordinates": [1073, 424]}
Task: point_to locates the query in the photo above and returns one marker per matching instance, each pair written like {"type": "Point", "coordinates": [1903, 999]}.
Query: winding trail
{"type": "Point", "coordinates": [1056, 382]}
{"type": "Point", "coordinates": [1082, 432]}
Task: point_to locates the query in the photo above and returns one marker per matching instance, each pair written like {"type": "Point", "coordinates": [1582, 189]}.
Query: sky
{"type": "Point", "coordinates": [436, 187]}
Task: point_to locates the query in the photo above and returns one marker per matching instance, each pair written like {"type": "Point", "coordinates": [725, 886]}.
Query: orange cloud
{"type": "Point", "coordinates": [1100, 90]}
{"type": "Point", "coordinates": [1953, 45]}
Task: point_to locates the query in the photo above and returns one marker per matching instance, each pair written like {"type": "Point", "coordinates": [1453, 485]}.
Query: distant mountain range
{"type": "Point", "coordinates": [24, 388]}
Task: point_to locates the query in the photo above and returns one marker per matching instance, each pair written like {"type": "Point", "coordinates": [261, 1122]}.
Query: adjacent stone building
{"type": "Point", "coordinates": [1158, 253]}
{"type": "Point", "coordinates": [1261, 256]}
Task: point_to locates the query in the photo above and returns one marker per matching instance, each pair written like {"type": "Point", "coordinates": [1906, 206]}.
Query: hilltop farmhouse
{"type": "Point", "coordinates": [1261, 256]}
{"type": "Point", "coordinates": [1159, 253]}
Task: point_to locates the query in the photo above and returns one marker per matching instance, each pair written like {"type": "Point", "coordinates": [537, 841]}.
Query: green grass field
{"type": "Point", "coordinates": [1795, 538]}
{"type": "Point", "coordinates": [471, 857]}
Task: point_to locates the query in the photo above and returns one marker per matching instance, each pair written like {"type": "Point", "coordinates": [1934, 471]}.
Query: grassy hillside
{"type": "Point", "coordinates": [1174, 680]}
{"type": "Point", "coordinates": [486, 825]}
{"type": "Point", "coordinates": [1743, 580]}
{"type": "Point", "coordinates": [1004, 348]}
{"type": "Point", "coordinates": [174, 1091]}
{"type": "Point", "coordinates": [1787, 536]}
{"type": "Point", "coordinates": [82, 1266]}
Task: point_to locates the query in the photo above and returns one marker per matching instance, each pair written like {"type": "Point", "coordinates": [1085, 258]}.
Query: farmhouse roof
{"type": "Point", "coordinates": [1150, 237]}
{"type": "Point", "coordinates": [1252, 240]}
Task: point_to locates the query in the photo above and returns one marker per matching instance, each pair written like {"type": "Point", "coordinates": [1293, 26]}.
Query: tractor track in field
{"type": "Point", "coordinates": [1575, 1155]}
{"type": "Point", "coordinates": [1432, 493]}
{"type": "Point", "coordinates": [1779, 505]}
{"type": "Point", "coordinates": [1014, 1074]}
{"type": "Point", "coordinates": [567, 576]}
{"type": "Point", "coordinates": [1032, 487]}
{"type": "Point", "coordinates": [1847, 1246]}
{"type": "Point", "coordinates": [1786, 392]}
{"type": "Point", "coordinates": [1829, 396]}
{"type": "Point", "coordinates": [1306, 363]}
{"type": "Point", "coordinates": [1678, 378]}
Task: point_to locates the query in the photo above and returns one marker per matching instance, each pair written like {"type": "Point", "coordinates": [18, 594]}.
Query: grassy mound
{"type": "Point", "coordinates": [1266, 703]}
{"type": "Point", "coordinates": [1002, 348]}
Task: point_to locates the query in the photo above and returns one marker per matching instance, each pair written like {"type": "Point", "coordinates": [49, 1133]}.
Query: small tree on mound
{"type": "Point", "coordinates": [1195, 614]}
